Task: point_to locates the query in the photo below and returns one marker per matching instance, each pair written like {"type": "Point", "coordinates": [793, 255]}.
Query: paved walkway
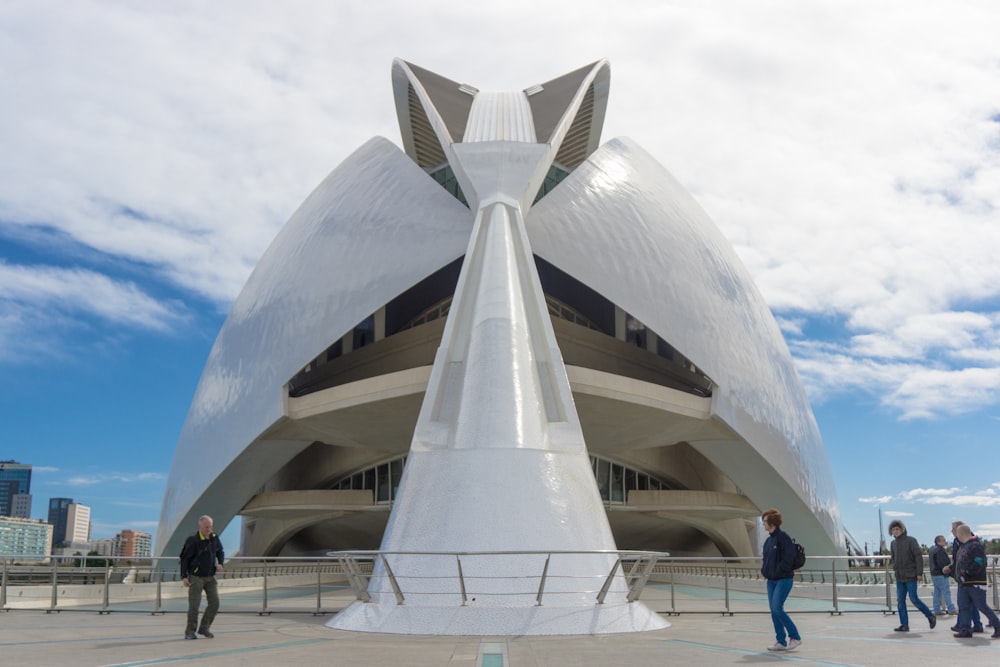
{"type": "Point", "coordinates": [85, 638]}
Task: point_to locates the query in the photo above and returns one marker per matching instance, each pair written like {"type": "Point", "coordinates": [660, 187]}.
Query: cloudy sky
{"type": "Point", "coordinates": [850, 151]}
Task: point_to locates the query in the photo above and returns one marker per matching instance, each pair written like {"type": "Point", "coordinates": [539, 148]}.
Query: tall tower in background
{"type": "Point", "coordinates": [58, 511]}
{"type": "Point", "coordinates": [15, 480]}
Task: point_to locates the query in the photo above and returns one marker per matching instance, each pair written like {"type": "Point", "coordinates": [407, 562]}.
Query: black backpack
{"type": "Point", "coordinates": [800, 556]}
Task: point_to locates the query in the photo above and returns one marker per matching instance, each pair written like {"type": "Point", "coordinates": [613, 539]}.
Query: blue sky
{"type": "Point", "coordinates": [850, 152]}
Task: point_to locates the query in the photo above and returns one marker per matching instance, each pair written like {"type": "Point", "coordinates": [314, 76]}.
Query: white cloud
{"type": "Point", "coordinates": [988, 530]}
{"type": "Point", "coordinates": [897, 514]}
{"type": "Point", "coordinates": [850, 153]}
{"type": "Point", "coordinates": [875, 500]}
{"type": "Point", "coordinates": [104, 478]}
{"type": "Point", "coordinates": [973, 500]}
{"type": "Point", "coordinates": [917, 494]}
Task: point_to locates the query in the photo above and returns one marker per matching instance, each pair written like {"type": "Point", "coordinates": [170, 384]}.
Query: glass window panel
{"type": "Point", "coordinates": [602, 479]}
{"type": "Point", "coordinates": [382, 483]}
{"type": "Point", "coordinates": [617, 483]}
{"type": "Point", "coordinates": [631, 481]}
{"type": "Point", "coordinates": [395, 474]}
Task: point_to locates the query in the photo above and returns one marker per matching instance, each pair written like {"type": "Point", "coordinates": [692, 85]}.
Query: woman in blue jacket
{"type": "Point", "coordinates": [779, 552]}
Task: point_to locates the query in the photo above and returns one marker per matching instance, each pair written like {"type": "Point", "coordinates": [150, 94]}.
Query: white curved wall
{"type": "Point", "coordinates": [374, 227]}
{"type": "Point", "coordinates": [621, 224]}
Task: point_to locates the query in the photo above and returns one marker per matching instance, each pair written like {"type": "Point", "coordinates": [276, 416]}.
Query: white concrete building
{"type": "Point", "coordinates": [506, 336]}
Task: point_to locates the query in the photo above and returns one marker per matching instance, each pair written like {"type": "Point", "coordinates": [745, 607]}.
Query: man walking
{"type": "Point", "coordinates": [201, 558]}
{"type": "Point", "coordinates": [908, 564]}
{"type": "Point", "coordinates": [970, 567]}
{"type": "Point", "coordinates": [973, 622]}
{"type": "Point", "coordinates": [940, 561]}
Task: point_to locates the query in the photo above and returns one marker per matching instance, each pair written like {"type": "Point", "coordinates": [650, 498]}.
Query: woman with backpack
{"type": "Point", "coordinates": [779, 556]}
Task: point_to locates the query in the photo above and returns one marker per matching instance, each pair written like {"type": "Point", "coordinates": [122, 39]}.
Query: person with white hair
{"type": "Point", "coordinates": [201, 557]}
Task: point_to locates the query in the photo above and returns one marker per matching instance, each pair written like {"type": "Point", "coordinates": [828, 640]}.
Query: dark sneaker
{"type": "Point", "coordinates": [190, 635]}
{"type": "Point", "coordinates": [903, 628]}
{"type": "Point", "coordinates": [963, 635]}
{"type": "Point", "coordinates": [206, 633]}
{"type": "Point", "coordinates": [955, 628]}
{"type": "Point", "coordinates": [996, 633]}
{"type": "Point", "coordinates": [932, 620]}
{"type": "Point", "coordinates": [978, 628]}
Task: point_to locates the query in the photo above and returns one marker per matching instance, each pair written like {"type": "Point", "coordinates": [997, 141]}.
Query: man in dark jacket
{"type": "Point", "coordinates": [908, 564]}
{"type": "Point", "coordinates": [940, 561]}
{"type": "Point", "coordinates": [201, 558]}
{"type": "Point", "coordinates": [974, 617]}
{"type": "Point", "coordinates": [970, 569]}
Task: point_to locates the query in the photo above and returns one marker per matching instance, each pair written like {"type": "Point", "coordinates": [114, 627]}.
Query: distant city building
{"type": "Point", "coordinates": [25, 538]}
{"type": "Point", "coordinates": [70, 522]}
{"type": "Point", "coordinates": [133, 544]}
{"type": "Point", "coordinates": [103, 547]}
{"type": "Point", "coordinates": [21, 505]}
{"type": "Point", "coordinates": [15, 479]}
{"type": "Point", "coordinates": [78, 523]}
{"type": "Point", "coordinates": [58, 510]}
{"type": "Point", "coordinates": [73, 549]}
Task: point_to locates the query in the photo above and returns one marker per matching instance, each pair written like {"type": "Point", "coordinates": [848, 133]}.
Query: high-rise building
{"type": "Point", "coordinates": [15, 479]}
{"type": "Point", "coordinates": [25, 538]}
{"type": "Point", "coordinates": [58, 510]}
{"type": "Point", "coordinates": [21, 505]}
{"type": "Point", "coordinates": [133, 544]}
{"type": "Point", "coordinates": [77, 523]}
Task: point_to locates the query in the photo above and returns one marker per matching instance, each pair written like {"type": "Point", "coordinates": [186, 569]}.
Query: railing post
{"type": "Point", "coordinates": [319, 588]}
{"type": "Point", "coordinates": [637, 585]}
{"type": "Point", "coordinates": [461, 578]}
{"type": "Point", "coordinates": [392, 581]}
{"type": "Point", "coordinates": [107, 582]}
{"type": "Point", "coordinates": [3, 587]}
{"type": "Point", "coordinates": [353, 575]}
{"type": "Point", "coordinates": [607, 582]}
{"type": "Point", "coordinates": [725, 570]}
{"type": "Point", "coordinates": [541, 584]}
{"type": "Point", "coordinates": [55, 594]}
{"type": "Point", "coordinates": [159, 586]}
{"type": "Point", "coordinates": [996, 595]}
{"type": "Point", "coordinates": [836, 603]}
{"type": "Point", "coordinates": [888, 594]}
{"type": "Point", "coordinates": [263, 608]}
{"type": "Point", "coordinates": [673, 600]}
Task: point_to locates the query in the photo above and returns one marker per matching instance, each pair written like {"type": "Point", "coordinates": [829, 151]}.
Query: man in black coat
{"type": "Point", "coordinates": [952, 571]}
{"type": "Point", "coordinates": [201, 558]}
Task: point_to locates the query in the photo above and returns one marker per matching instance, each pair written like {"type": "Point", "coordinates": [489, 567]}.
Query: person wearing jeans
{"type": "Point", "coordinates": [779, 552]}
{"type": "Point", "coordinates": [970, 564]}
{"type": "Point", "coordinates": [908, 564]}
{"type": "Point", "coordinates": [940, 560]}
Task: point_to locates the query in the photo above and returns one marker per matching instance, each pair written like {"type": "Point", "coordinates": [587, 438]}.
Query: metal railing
{"type": "Point", "coordinates": [635, 567]}
{"type": "Point", "coordinates": [324, 585]}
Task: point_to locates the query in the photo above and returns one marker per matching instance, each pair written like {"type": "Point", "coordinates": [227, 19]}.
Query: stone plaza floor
{"type": "Point", "coordinates": [133, 638]}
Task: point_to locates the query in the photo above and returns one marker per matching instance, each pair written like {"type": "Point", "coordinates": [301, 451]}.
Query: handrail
{"type": "Point", "coordinates": [828, 576]}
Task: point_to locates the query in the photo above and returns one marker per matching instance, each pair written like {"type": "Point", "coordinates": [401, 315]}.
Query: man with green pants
{"type": "Point", "coordinates": [201, 558]}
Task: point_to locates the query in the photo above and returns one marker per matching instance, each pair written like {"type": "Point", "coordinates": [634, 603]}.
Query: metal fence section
{"type": "Point", "coordinates": [634, 568]}
{"type": "Point", "coordinates": [324, 585]}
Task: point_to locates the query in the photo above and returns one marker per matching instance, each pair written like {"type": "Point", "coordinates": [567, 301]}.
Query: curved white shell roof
{"type": "Point", "coordinates": [373, 228]}
{"type": "Point", "coordinates": [621, 224]}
